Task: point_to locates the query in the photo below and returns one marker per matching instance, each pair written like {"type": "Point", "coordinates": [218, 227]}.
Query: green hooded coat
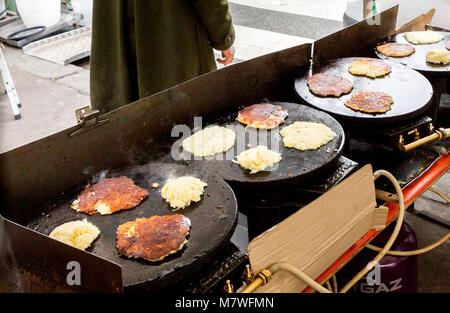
{"type": "Point", "coordinates": [140, 47]}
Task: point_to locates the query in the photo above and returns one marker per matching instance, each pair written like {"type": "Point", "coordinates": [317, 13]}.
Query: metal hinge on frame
{"type": "Point", "coordinates": [87, 119]}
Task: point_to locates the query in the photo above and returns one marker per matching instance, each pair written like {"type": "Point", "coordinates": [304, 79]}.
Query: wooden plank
{"type": "Point", "coordinates": [315, 236]}
{"type": "Point", "coordinates": [418, 23]}
{"type": "Point", "coordinates": [410, 193]}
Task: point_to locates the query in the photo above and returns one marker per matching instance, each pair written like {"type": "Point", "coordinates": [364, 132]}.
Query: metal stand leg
{"type": "Point", "coordinates": [9, 86]}
{"type": "Point", "coordinates": [439, 87]}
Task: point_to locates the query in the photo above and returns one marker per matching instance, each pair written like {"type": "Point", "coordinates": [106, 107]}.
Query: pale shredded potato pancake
{"type": "Point", "coordinates": [258, 159]}
{"type": "Point", "coordinates": [438, 56]}
{"type": "Point", "coordinates": [210, 141]}
{"type": "Point", "coordinates": [423, 37]}
{"type": "Point", "coordinates": [179, 193]}
{"type": "Point", "coordinates": [78, 234]}
{"type": "Point", "coordinates": [306, 135]}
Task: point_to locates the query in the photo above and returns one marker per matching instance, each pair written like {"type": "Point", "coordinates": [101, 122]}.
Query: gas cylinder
{"type": "Point", "coordinates": [393, 274]}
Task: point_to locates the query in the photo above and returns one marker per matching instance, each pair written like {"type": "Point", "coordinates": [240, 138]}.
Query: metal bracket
{"type": "Point", "coordinates": [87, 119]}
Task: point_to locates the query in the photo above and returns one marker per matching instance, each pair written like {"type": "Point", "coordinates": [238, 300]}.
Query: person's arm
{"type": "Point", "coordinates": [227, 56]}
{"type": "Point", "coordinates": [216, 18]}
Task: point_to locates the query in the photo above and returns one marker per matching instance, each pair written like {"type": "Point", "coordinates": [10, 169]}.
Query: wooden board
{"type": "Point", "coordinates": [411, 192]}
{"type": "Point", "coordinates": [315, 236]}
{"type": "Point", "coordinates": [416, 24]}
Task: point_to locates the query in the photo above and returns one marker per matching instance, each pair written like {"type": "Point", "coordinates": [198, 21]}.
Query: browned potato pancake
{"type": "Point", "coordinates": [329, 85]}
{"type": "Point", "coordinates": [394, 49]}
{"type": "Point", "coordinates": [370, 102]}
{"type": "Point", "coordinates": [447, 45]}
{"type": "Point", "coordinates": [153, 238]}
{"type": "Point", "coordinates": [263, 115]}
{"type": "Point", "coordinates": [369, 67]}
{"type": "Point", "coordinates": [109, 195]}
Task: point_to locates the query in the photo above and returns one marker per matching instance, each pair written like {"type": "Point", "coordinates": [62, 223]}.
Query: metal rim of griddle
{"type": "Point", "coordinates": [213, 220]}
{"type": "Point", "coordinates": [417, 60]}
{"type": "Point", "coordinates": [410, 90]}
{"type": "Point", "coordinates": [294, 164]}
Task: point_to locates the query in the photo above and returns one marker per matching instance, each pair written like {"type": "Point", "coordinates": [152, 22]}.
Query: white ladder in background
{"type": "Point", "coordinates": [9, 85]}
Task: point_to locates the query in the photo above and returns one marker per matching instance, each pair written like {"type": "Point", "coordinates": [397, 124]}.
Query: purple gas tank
{"type": "Point", "coordinates": [393, 274]}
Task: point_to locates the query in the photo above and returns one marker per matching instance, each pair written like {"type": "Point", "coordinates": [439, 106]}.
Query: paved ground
{"type": "Point", "coordinates": [50, 94]}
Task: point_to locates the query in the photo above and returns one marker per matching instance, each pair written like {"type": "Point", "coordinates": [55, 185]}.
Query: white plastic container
{"type": "Point", "coordinates": [2, 7]}
{"type": "Point", "coordinates": [39, 12]}
{"type": "Point", "coordinates": [407, 10]}
{"type": "Point", "coordinates": [84, 7]}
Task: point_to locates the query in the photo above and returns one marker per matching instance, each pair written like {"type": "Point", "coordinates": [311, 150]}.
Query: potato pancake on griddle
{"type": "Point", "coordinates": [369, 67]}
{"type": "Point", "coordinates": [394, 49]}
{"type": "Point", "coordinates": [78, 234]}
{"type": "Point", "coordinates": [210, 141]}
{"type": "Point", "coordinates": [153, 238]}
{"type": "Point", "coordinates": [329, 85]}
{"type": "Point", "coordinates": [370, 102]}
{"type": "Point", "coordinates": [438, 56]}
{"type": "Point", "coordinates": [258, 159]}
{"type": "Point", "coordinates": [109, 195]}
{"type": "Point", "coordinates": [264, 115]}
{"type": "Point", "coordinates": [181, 192]}
{"type": "Point", "coordinates": [423, 37]}
{"type": "Point", "coordinates": [303, 135]}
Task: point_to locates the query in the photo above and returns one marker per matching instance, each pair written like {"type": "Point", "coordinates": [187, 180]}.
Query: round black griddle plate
{"type": "Point", "coordinates": [294, 164]}
{"type": "Point", "coordinates": [410, 90]}
{"type": "Point", "coordinates": [418, 60]}
{"type": "Point", "coordinates": [213, 220]}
